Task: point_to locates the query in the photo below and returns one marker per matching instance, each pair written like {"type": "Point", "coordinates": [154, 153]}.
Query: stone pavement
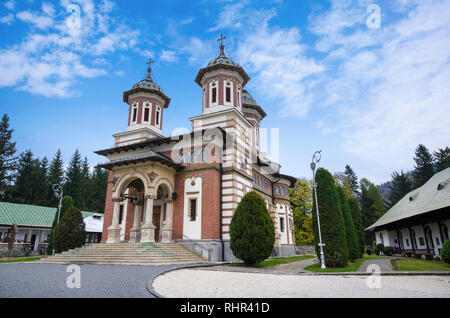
{"type": "Point", "coordinates": [385, 265]}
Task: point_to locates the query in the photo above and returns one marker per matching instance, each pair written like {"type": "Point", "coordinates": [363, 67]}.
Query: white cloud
{"type": "Point", "coordinates": [10, 4]}
{"type": "Point", "coordinates": [41, 22]}
{"type": "Point", "coordinates": [7, 19]}
{"type": "Point", "coordinates": [168, 56]}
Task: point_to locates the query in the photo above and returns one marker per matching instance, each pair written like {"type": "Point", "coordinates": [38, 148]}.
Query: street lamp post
{"type": "Point", "coordinates": [58, 191]}
{"type": "Point", "coordinates": [316, 159]}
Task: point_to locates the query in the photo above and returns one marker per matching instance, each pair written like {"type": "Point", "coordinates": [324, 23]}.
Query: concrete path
{"type": "Point", "coordinates": [192, 283]}
{"type": "Point", "coordinates": [385, 265]}
{"type": "Point", "coordinates": [26, 280]}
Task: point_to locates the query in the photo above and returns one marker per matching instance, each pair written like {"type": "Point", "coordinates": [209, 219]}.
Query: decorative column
{"type": "Point", "coordinates": [167, 229]}
{"type": "Point", "coordinates": [114, 229]}
{"type": "Point", "coordinates": [135, 231]}
{"type": "Point", "coordinates": [148, 229]}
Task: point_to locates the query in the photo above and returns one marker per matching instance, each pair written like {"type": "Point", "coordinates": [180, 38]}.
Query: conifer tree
{"type": "Point", "coordinates": [400, 186]}
{"type": "Point", "coordinates": [350, 232]}
{"type": "Point", "coordinates": [357, 221]}
{"type": "Point", "coordinates": [70, 231]}
{"type": "Point", "coordinates": [442, 159]}
{"type": "Point", "coordinates": [352, 179]}
{"type": "Point", "coordinates": [97, 190]}
{"type": "Point", "coordinates": [331, 221]}
{"type": "Point", "coordinates": [7, 159]}
{"type": "Point", "coordinates": [55, 176]}
{"type": "Point", "coordinates": [423, 170]}
{"type": "Point", "coordinates": [372, 206]}
{"type": "Point", "coordinates": [74, 180]}
{"type": "Point", "coordinates": [66, 204]}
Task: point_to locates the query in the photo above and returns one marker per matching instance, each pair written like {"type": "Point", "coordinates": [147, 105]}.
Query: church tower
{"type": "Point", "coordinates": [146, 103]}
{"type": "Point", "coordinates": [222, 82]}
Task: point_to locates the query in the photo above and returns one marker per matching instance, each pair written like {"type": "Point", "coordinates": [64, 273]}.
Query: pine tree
{"type": "Point", "coordinates": [424, 169]}
{"type": "Point", "coordinates": [66, 203]}
{"type": "Point", "coordinates": [442, 159]}
{"type": "Point", "coordinates": [372, 206]}
{"type": "Point", "coordinates": [74, 180]}
{"type": "Point", "coordinates": [97, 190]}
{"type": "Point", "coordinates": [252, 233]}
{"type": "Point", "coordinates": [7, 159]}
{"type": "Point", "coordinates": [350, 232]}
{"type": "Point", "coordinates": [55, 176]}
{"type": "Point", "coordinates": [331, 221]}
{"type": "Point", "coordinates": [357, 221]}
{"type": "Point", "coordinates": [352, 179]}
{"type": "Point", "coordinates": [42, 183]}
{"type": "Point", "coordinates": [400, 186]}
{"type": "Point", "coordinates": [70, 231]}
{"type": "Point", "coordinates": [23, 188]}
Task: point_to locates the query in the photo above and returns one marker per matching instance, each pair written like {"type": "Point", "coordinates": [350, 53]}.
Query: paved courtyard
{"type": "Point", "coordinates": [192, 283]}
{"type": "Point", "coordinates": [97, 281]}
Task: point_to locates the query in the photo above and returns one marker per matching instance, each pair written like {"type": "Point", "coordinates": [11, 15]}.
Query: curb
{"type": "Point", "coordinates": [155, 294]}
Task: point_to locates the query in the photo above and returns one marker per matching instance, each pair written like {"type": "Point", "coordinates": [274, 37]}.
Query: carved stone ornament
{"type": "Point", "coordinates": [152, 176]}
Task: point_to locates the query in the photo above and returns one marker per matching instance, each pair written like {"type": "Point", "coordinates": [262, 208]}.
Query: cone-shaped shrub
{"type": "Point", "coordinates": [66, 203]}
{"type": "Point", "coordinates": [331, 221]}
{"type": "Point", "coordinates": [445, 253]}
{"type": "Point", "coordinates": [350, 233]}
{"type": "Point", "coordinates": [252, 233]}
{"type": "Point", "coordinates": [70, 231]}
{"type": "Point", "coordinates": [357, 221]}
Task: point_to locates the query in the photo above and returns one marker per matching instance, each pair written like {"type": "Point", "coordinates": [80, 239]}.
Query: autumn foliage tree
{"type": "Point", "coordinates": [301, 201]}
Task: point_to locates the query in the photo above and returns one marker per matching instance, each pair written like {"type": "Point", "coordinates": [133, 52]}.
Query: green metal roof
{"type": "Point", "coordinates": [433, 195]}
{"type": "Point", "coordinates": [29, 215]}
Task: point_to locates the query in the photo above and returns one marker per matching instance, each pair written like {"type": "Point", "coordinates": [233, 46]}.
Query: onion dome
{"type": "Point", "coordinates": [249, 102]}
{"type": "Point", "coordinates": [147, 85]}
{"type": "Point", "coordinates": [222, 62]}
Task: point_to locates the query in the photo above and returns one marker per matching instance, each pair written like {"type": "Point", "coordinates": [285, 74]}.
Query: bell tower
{"type": "Point", "coordinates": [222, 82]}
{"type": "Point", "coordinates": [146, 103]}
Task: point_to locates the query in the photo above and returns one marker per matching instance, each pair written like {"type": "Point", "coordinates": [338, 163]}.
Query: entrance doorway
{"type": "Point", "coordinates": [157, 222]}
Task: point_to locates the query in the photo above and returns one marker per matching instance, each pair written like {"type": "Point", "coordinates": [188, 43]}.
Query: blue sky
{"type": "Point", "coordinates": [326, 77]}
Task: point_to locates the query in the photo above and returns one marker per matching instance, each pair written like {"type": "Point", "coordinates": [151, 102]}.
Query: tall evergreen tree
{"type": "Point", "coordinates": [55, 176]}
{"type": "Point", "coordinates": [350, 232]}
{"type": "Point", "coordinates": [442, 159]}
{"type": "Point", "coordinates": [66, 203]}
{"type": "Point", "coordinates": [7, 159]}
{"type": "Point", "coordinates": [74, 180]}
{"type": "Point", "coordinates": [24, 180]}
{"type": "Point", "coordinates": [400, 186]}
{"type": "Point", "coordinates": [352, 179]}
{"type": "Point", "coordinates": [331, 221]}
{"type": "Point", "coordinates": [372, 206]}
{"type": "Point", "coordinates": [357, 221]}
{"type": "Point", "coordinates": [423, 170]}
{"type": "Point", "coordinates": [70, 231]}
{"type": "Point", "coordinates": [87, 185]}
{"type": "Point", "coordinates": [42, 183]}
{"type": "Point", "coordinates": [97, 190]}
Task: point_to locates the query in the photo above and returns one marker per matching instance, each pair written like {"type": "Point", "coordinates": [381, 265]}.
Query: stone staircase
{"type": "Point", "coordinates": [126, 254]}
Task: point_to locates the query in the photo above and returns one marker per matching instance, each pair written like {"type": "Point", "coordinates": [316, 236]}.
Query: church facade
{"type": "Point", "coordinates": [185, 188]}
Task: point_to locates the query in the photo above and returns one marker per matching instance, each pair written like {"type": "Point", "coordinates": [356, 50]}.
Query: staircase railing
{"type": "Point", "coordinates": [202, 247]}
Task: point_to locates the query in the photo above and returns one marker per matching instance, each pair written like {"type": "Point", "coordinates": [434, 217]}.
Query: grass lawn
{"type": "Point", "coordinates": [351, 267]}
{"type": "Point", "coordinates": [419, 265]}
{"type": "Point", "coordinates": [18, 259]}
{"type": "Point", "coordinates": [276, 261]}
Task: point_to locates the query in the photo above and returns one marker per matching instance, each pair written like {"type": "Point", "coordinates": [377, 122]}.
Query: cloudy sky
{"type": "Point", "coordinates": [331, 75]}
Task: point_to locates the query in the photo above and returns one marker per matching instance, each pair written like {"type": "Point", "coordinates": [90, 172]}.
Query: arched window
{"type": "Point", "coordinates": [228, 92]}
{"type": "Point", "coordinates": [158, 115]}
{"type": "Point", "coordinates": [147, 112]}
{"type": "Point", "coordinates": [213, 93]}
{"type": "Point", "coordinates": [134, 111]}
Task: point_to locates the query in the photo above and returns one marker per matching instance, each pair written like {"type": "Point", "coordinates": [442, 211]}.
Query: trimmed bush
{"type": "Point", "coordinates": [379, 248]}
{"type": "Point", "coordinates": [66, 203]}
{"type": "Point", "coordinates": [331, 221]}
{"type": "Point", "coordinates": [445, 252]}
{"type": "Point", "coordinates": [354, 251]}
{"type": "Point", "coordinates": [252, 232]}
{"type": "Point", "coordinates": [357, 221]}
{"type": "Point", "coordinates": [388, 250]}
{"type": "Point", "coordinates": [369, 251]}
{"type": "Point", "coordinates": [70, 231]}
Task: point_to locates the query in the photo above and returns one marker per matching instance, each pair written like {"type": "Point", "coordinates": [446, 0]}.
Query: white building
{"type": "Point", "coordinates": [34, 224]}
{"type": "Point", "coordinates": [419, 222]}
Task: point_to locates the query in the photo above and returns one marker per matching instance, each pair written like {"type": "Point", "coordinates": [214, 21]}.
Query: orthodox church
{"type": "Point", "coordinates": [185, 188]}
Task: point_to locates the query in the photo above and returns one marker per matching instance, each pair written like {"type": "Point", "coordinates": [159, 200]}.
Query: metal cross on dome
{"type": "Point", "coordinates": [222, 37]}
{"type": "Point", "coordinates": [149, 70]}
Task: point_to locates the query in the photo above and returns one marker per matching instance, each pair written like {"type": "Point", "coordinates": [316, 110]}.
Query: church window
{"type": "Point", "coordinates": [134, 113]}
{"type": "Point", "coordinates": [158, 112]}
{"type": "Point", "coordinates": [228, 94]}
{"type": "Point", "coordinates": [147, 112]}
{"type": "Point", "coordinates": [281, 224]}
{"type": "Point", "coordinates": [239, 97]}
{"type": "Point", "coordinates": [193, 209]}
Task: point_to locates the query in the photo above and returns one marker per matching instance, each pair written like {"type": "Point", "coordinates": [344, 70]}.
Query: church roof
{"type": "Point", "coordinates": [147, 85]}
{"type": "Point", "coordinates": [249, 102]}
{"type": "Point", "coordinates": [432, 196]}
{"type": "Point", "coordinates": [222, 62]}
{"type": "Point", "coordinates": [148, 155]}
